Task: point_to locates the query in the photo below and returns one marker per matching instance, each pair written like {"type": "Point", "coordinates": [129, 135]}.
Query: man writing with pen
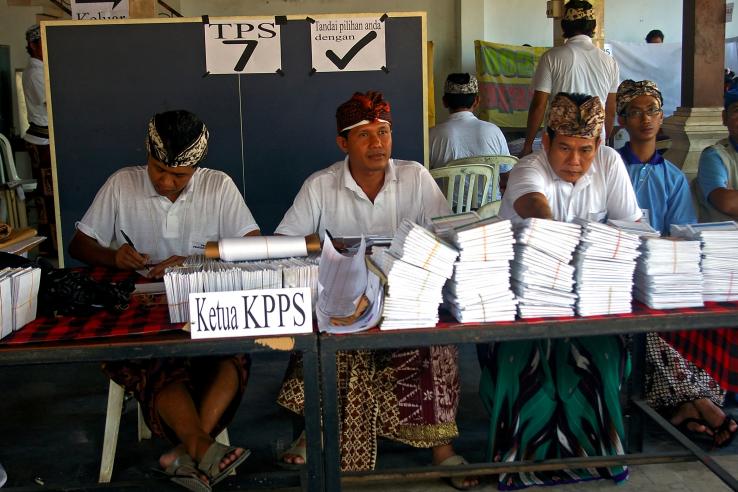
{"type": "Point", "coordinates": [155, 216]}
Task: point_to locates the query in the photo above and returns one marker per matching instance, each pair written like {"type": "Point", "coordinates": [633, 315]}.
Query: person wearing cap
{"type": "Point", "coordinates": [686, 394]}
{"type": "Point", "coordinates": [559, 398]}
{"type": "Point", "coordinates": [463, 134]}
{"type": "Point", "coordinates": [576, 67]}
{"type": "Point", "coordinates": [381, 393]}
{"type": "Point", "coordinates": [716, 187]}
{"type": "Point", "coordinates": [155, 216]}
{"type": "Point", "coordinates": [37, 137]}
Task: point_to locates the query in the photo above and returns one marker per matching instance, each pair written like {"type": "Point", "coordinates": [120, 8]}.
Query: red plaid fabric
{"type": "Point", "coordinates": [145, 315]}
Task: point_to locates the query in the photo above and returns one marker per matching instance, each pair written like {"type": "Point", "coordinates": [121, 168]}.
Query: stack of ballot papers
{"type": "Point", "coordinates": [443, 226]}
{"type": "Point", "coordinates": [542, 277]}
{"type": "Point", "coordinates": [18, 298]}
{"type": "Point", "coordinates": [668, 274]}
{"type": "Point", "coordinates": [480, 287]}
{"type": "Point", "coordinates": [604, 263]}
{"type": "Point", "coordinates": [200, 274]}
{"type": "Point", "coordinates": [640, 229]}
{"type": "Point", "coordinates": [347, 289]}
{"type": "Point", "coordinates": [416, 266]}
{"type": "Point", "coordinates": [719, 266]}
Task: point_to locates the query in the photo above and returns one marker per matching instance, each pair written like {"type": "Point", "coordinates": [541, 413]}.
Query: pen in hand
{"type": "Point", "coordinates": [130, 243]}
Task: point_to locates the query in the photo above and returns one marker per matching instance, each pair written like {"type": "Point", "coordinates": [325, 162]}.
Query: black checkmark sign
{"type": "Point", "coordinates": [342, 62]}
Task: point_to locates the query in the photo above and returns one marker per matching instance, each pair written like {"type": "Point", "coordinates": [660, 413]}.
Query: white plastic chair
{"type": "Point", "coordinates": [487, 202]}
{"type": "Point", "coordinates": [116, 395]}
{"type": "Point", "coordinates": [10, 173]}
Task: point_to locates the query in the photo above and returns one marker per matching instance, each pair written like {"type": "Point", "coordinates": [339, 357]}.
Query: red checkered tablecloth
{"type": "Point", "coordinates": [145, 315]}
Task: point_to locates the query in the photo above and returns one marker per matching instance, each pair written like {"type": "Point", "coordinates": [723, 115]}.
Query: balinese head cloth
{"type": "Point", "coordinates": [470, 87]}
{"type": "Point", "coordinates": [33, 33]}
{"type": "Point", "coordinates": [575, 14]}
{"type": "Point", "coordinates": [362, 109]}
{"type": "Point", "coordinates": [630, 89]}
{"type": "Point", "coordinates": [567, 118]}
{"type": "Point", "coordinates": [190, 155]}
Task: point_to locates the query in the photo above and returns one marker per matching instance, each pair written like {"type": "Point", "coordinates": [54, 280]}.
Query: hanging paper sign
{"type": "Point", "coordinates": [238, 46]}
{"type": "Point", "coordinates": [348, 45]}
{"type": "Point", "coordinates": [99, 9]}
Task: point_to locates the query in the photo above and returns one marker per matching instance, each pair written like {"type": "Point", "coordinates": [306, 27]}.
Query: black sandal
{"type": "Point", "coordinates": [724, 427]}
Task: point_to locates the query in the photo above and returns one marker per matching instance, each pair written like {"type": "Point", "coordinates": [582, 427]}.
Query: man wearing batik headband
{"type": "Point", "coordinates": [564, 391]}
{"type": "Point", "coordinates": [463, 134]}
{"type": "Point", "coordinates": [37, 138]}
{"type": "Point", "coordinates": [155, 216]}
{"type": "Point", "coordinates": [369, 192]}
{"type": "Point", "coordinates": [684, 393]}
{"type": "Point", "coordinates": [576, 67]}
{"type": "Point", "coordinates": [716, 185]}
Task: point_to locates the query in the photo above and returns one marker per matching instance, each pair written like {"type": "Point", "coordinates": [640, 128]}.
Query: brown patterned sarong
{"type": "Point", "coordinates": [410, 396]}
{"type": "Point", "coordinates": [145, 378]}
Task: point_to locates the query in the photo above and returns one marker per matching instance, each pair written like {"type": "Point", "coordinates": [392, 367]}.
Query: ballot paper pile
{"type": "Point", "coordinates": [18, 298]}
{"type": "Point", "coordinates": [604, 263]}
{"type": "Point", "coordinates": [350, 296]}
{"type": "Point", "coordinates": [719, 242]}
{"type": "Point", "coordinates": [542, 277]}
{"type": "Point", "coordinates": [416, 266]}
{"type": "Point", "coordinates": [200, 274]}
{"type": "Point", "coordinates": [668, 274]}
{"type": "Point", "coordinates": [480, 287]}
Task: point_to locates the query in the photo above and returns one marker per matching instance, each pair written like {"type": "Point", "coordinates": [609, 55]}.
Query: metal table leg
{"type": "Point", "coordinates": [311, 375]}
{"type": "Point", "coordinates": [637, 423]}
{"type": "Point", "coordinates": [329, 382]}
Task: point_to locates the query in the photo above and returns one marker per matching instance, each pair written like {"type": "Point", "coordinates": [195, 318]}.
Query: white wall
{"type": "Point", "coordinates": [518, 22]}
{"type": "Point", "coordinates": [13, 24]}
{"type": "Point", "coordinates": [442, 22]}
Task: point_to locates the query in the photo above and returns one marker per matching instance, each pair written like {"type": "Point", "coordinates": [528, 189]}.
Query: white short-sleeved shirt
{"type": "Point", "coordinates": [331, 200]}
{"type": "Point", "coordinates": [34, 90]}
{"type": "Point", "coordinates": [577, 66]}
{"type": "Point", "coordinates": [603, 192]}
{"type": "Point", "coordinates": [464, 135]}
{"type": "Point", "coordinates": [209, 208]}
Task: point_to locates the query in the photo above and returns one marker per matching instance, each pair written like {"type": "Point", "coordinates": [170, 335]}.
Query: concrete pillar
{"type": "Point", "coordinates": [697, 123]}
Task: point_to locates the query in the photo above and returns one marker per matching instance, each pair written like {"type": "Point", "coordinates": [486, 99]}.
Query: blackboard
{"type": "Point", "coordinates": [267, 131]}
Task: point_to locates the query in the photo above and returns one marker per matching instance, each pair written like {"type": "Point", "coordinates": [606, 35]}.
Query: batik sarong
{"type": "Point", "coordinates": [410, 396]}
{"type": "Point", "coordinates": [145, 378]}
{"type": "Point", "coordinates": [553, 399]}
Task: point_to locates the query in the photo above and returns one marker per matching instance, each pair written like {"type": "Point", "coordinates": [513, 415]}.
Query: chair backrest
{"type": "Point", "coordinates": [462, 184]}
{"type": "Point", "coordinates": [481, 191]}
{"type": "Point", "coordinates": [9, 161]}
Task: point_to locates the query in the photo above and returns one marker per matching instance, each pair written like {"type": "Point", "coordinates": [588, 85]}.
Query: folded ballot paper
{"type": "Point", "coordinates": [719, 241]}
{"type": "Point", "coordinates": [479, 289]}
{"type": "Point", "coordinates": [668, 273]}
{"type": "Point", "coordinates": [200, 274]}
{"type": "Point", "coordinates": [18, 298]}
{"type": "Point", "coordinates": [542, 277]}
{"type": "Point", "coordinates": [416, 266]}
{"type": "Point", "coordinates": [346, 288]}
{"type": "Point", "coordinates": [604, 262]}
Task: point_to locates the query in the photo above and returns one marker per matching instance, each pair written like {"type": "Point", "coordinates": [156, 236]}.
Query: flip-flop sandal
{"type": "Point", "coordinates": [724, 427]}
{"type": "Point", "coordinates": [183, 472]}
{"type": "Point", "coordinates": [457, 482]}
{"type": "Point", "coordinates": [683, 427]}
{"type": "Point", "coordinates": [297, 448]}
{"type": "Point", "coordinates": [210, 462]}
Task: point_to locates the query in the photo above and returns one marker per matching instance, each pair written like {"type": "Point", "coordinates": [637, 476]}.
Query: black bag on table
{"type": "Point", "coordinates": [68, 291]}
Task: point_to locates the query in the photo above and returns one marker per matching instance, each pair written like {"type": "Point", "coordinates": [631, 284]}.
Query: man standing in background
{"type": "Point", "coordinates": [37, 138]}
{"type": "Point", "coordinates": [576, 67]}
